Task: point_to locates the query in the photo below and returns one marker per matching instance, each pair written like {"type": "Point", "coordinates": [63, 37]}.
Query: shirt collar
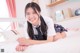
{"type": "Point", "coordinates": [38, 25]}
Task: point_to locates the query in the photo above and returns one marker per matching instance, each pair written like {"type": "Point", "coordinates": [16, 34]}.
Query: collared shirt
{"type": "Point", "coordinates": [34, 28]}
{"type": "Point", "coordinates": [50, 30]}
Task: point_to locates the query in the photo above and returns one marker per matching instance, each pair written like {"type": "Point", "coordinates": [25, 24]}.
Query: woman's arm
{"type": "Point", "coordinates": [49, 39]}
{"type": "Point", "coordinates": [24, 41]}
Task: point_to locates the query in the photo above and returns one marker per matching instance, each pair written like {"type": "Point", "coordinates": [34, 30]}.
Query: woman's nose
{"type": "Point", "coordinates": [31, 16]}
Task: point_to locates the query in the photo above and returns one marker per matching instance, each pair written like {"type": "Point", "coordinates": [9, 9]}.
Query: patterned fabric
{"type": "Point", "coordinates": [59, 28]}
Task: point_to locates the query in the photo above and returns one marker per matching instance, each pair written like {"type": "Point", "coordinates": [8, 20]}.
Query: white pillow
{"type": "Point", "coordinates": [10, 36]}
{"type": "Point", "coordinates": [2, 39]}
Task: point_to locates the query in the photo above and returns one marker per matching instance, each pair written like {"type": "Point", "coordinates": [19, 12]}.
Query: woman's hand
{"type": "Point", "coordinates": [21, 48]}
{"type": "Point", "coordinates": [23, 41]}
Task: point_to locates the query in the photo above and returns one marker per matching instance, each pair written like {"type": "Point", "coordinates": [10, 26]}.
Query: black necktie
{"type": "Point", "coordinates": [38, 30]}
{"type": "Point", "coordinates": [40, 34]}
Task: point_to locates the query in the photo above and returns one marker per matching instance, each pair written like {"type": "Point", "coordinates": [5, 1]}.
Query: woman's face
{"type": "Point", "coordinates": [32, 16]}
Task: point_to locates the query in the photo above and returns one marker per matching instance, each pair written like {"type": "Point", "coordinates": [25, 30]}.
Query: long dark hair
{"type": "Point", "coordinates": [35, 7]}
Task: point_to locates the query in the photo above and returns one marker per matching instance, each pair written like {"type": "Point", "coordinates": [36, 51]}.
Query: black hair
{"type": "Point", "coordinates": [34, 6]}
{"type": "Point", "coordinates": [43, 25]}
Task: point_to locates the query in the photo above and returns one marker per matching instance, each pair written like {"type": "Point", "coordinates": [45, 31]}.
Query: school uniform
{"type": "Point", "coordinates": [50, 31]}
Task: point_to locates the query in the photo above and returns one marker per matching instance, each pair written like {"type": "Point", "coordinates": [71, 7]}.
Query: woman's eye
{"type": "Point", "coordinates": [34, 13]}
{"type": "Point", "coordinates": [27, 13]}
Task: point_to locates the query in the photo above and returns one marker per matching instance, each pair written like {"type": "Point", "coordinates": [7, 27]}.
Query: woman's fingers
{"type": "Point", "coordinates": [20, 48]}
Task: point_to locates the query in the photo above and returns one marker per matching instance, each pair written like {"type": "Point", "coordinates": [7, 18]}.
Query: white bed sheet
{"type": "Point", "coordinates": [70, 44]}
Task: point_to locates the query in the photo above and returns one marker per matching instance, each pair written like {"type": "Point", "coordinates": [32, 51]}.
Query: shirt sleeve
{"type": "Point", "coordinates": [51, 30]}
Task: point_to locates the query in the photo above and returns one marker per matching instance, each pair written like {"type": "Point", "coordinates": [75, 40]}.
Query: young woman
{"type": "Point", "coordinates": [39, 29]}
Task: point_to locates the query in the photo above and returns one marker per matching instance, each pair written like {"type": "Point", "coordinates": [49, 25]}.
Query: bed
{"type": "Point", "coordinates": [70, 44]}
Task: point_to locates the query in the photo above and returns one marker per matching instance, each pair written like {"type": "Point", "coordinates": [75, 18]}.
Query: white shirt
{"type": "Point", "coordinates": [50, 24]}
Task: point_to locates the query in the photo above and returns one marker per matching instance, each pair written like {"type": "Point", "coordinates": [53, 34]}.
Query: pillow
{"type": "Point", "coordinates": [2, 39]}
{"type": "Point", "coordinates": [10, 35]}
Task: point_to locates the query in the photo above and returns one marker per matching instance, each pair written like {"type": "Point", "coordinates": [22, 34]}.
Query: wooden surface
{"type": "Point", "coordinates": [55, 3]}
